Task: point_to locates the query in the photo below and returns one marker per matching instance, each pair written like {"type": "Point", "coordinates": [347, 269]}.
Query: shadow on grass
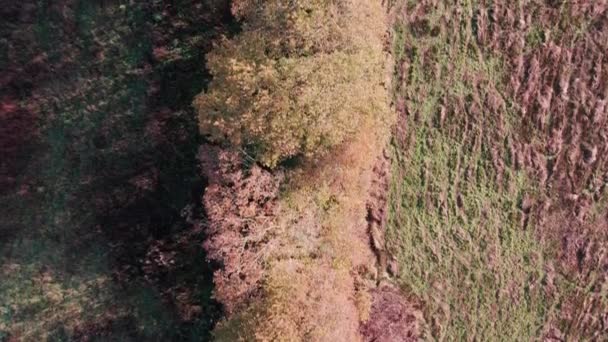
{"type": "Point", "coordinates": [101, 216]}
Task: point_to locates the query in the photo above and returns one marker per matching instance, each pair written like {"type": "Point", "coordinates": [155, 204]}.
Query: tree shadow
{"type": "Point", "coordinates": [102, 219]}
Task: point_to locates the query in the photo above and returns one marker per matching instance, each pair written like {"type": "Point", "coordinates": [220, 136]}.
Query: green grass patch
{"type": "Point", "coordinates": [461, 247]}
{"type": "Point", "coordinates": [455, 221]}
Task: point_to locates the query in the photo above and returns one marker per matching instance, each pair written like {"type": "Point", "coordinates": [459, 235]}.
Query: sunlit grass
{"type": "Point", "coordinates": [461, 247]}
{"type": "Point", "coordinates": [455, 221]}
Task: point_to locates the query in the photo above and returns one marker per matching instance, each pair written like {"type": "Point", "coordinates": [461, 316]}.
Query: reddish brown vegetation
{"type": "Point", "coordinates": [561, 89]}
{"type": "Point", "coordinates": [582, 257]}
{"type": "Point", "coordinates": [241, 205]}
{"type": "Point", "coordinates": [393, 317]}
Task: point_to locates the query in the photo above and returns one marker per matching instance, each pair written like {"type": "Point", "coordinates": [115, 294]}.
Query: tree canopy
{"type": "Point", "coordinates": [297, 81]}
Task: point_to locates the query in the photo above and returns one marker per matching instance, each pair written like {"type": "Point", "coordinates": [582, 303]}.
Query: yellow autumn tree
{"type": "Point", "coordinates": [298, 80]}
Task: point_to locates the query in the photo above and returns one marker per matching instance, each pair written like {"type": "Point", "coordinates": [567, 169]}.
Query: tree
{"type": "Point", "coordinates": [240, 207]}
{"type": "Point", "coordinates": [297, 81]}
